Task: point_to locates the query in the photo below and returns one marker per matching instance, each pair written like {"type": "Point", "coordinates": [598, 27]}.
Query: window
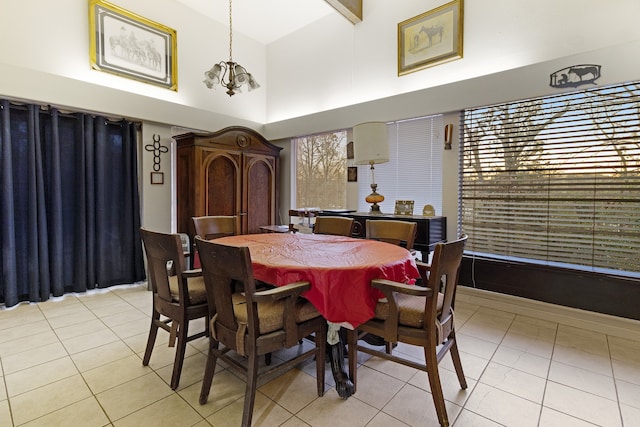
{"type": "Point", "coordinates": [321, 171]}
{"type": "Point", "coordinates": [556, 179]}
{"type": "Point", "coordinates": [414, 170]}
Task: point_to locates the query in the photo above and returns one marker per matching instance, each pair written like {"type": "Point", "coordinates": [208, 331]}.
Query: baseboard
{"type": "Point", "coordinates": [598, 322]}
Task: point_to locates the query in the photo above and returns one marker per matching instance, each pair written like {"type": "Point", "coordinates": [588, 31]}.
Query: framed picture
{"type": "Point", "coordinates": [403, 207]}
{"type": "Point", "coordinates": [350, 154]}
{"type": "Point", "coordinates": [430, 39]}
{"type": "Point", "coordinates": [157, 177]}
{"type": "Point", "coordinates": [126, 44]}
{"type": "Point", "coordinates": [352, 174]}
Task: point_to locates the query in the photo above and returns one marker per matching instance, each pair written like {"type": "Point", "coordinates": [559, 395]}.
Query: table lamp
{"type": "Point", "coordinates": [370, 147]}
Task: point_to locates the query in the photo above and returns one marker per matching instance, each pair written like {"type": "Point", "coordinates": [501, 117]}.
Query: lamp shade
{"type": "Point", "coordinates": [370, 143]}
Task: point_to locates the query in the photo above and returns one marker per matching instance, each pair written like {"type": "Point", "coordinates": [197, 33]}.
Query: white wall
{"type": "Point", "coordinates": [329, 75]}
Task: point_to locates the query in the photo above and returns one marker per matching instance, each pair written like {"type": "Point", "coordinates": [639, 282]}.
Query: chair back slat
{"type": "Point", "coordinates": [163, 251]}
{"type": "Point", "coordinates": [335, 225]}
{"type": "Point", "coordinates": [401, 233]}
{"type": "Point", "coordinates": [213, 227]}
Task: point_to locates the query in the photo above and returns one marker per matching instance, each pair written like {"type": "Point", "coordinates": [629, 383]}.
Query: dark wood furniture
{"type": "Point", "coordinates": [430, 229]}
{"type": "Point", "coordinates": [178, 296]}
{"type": "Point", "coordinates": [230, 172]}
{"type": "Point", "coordinates": [420, 316]}
{"type": "Point", "coordinates": [254, 322]}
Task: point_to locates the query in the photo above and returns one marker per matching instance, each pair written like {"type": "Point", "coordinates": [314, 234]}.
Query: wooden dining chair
{"type": "Point", "coordinates": [178, 294]}
{"type": "Point", "coordinates": [215, 226]}
{"type": "Point", "coordinates": [252, 323]}
{"type": "Point", "coordinates": [420, 316]}
{"type": "Point", "coordinates": [336, 225]}
{"type": "Point", "coordinates": [401, 233]}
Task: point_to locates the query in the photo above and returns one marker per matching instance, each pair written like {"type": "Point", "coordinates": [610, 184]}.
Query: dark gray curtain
{"type": "Point", "coordinates": [70, 214]}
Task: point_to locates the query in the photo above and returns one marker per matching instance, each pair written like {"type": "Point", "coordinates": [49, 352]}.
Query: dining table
{"type": "Point", "coordinates": [339, 269]}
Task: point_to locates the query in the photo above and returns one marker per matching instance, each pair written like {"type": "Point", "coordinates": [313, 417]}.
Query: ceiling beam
{"type": "Point", "coordinates": [350, 9]}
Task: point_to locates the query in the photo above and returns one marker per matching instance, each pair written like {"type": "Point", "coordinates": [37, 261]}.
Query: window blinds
{"type": "Point", "coordinates": [556, 179]}
{"type": "Point", "coordinates": [414, 170]}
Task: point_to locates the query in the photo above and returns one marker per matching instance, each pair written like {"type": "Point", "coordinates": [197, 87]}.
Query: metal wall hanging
{"type": "Point", "coordinates": [157, 177]}
{"type": "Point", "coordinates": [575, 75]}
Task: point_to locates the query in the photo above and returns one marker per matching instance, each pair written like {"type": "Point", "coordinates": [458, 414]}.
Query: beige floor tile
{"type": "Point", "coordinates": [628, 393]}
{"type": "Point", "coordinates": [591, 382]}
{"type": "Point", "coordinates": [473, 366]}
{"type": "Point", "coordinates": [530, 344]}
{"type": "Point", "coordinates": [333, 411]}
{"type": "Point", "coordinates": [89, 327]}
{"type": "Point", "coordinates": [470, 419]}
{"type": "Point", "coordinates": [523, 361]}
{"type": "Point", "coordinates": [450, 385]}
{"type": "Point", "coordinates": [33, 357]}
{"type": "Point", "coordinates": [5, 414]}
{"type": "Point", "coordinates": [125, 317]}
{"type": "Point", "coordinates": [3, 389]}
{"type": "Point", "coordinates": [115, 373]}
{"type": "Point", "coordinates": [226, 389]}
{"type": "Point", "coordinates": [385, 420]}
{"type": "Point", "coordinates": [583, 339]}
{"type": "Point", "coordinates": [49, 398]}
{"type": "Point", "coordinates": [376, 388]}
{"type": "Point", "coordinates": [395, 370]}
{"type": "Point", "coordinates": [86, 413]}
{"type": "Point", "coordinates": [292, 390]}
{"type": "Point", "coordinates": [40, 375]}
{"type": "Point", "coordinates": [138, 342]}
{"type": "Point", "coordinates": [415, 407]}
{"type": "Point", "coordinates": [76, 316]}
{"type": "Point", "coordinates": [597, 363]}
{"type": "Point", "coordinates": [627, 371]}
{"type": "Point", "coordinates": [535, 328]}
{"type": "Point", "coordinates": [132, 396]}
{"type": "Point", "coordinates": [624, 349]}
{"type": "Point", "coordinates": [266, 413]}
{"type": "Point", "coordinates": [20, 315]}
{"type": "Point", "coordinates": [110, 313]}
{"type": "Point", "coordinates": [551, 418]}
{"type": "Point", "coordinates": [163, 355]}
{"type": "Point", "coordinates": [476, 346]}
{"type": "Point", "coordinates": [172, 411]}
{"type": "Point", "coordinates": [486, 328]}
{"type": "Point", "coordinates": [513, 381]}
{"type": "Point", "coordinates": [19, 331]}
{"type": "Point", "coordinates": [192, 370]}
{"type": "Point", "coordinates": [102, 355]}
{"type": "Point", "coordinates": [630, 416]}
{"type": "Point", "coordinates": [582, 405]}
{"type": "Point", "coordinates": [502, 407]}
{"type": "Point", "coordinates": [66, 308]}
{"type": "Point", "coordinates": [134, 327]}
{"type": "Point", "coordinates": [23, 344]}
{"type": "Point", "coordinates": [92, 340]}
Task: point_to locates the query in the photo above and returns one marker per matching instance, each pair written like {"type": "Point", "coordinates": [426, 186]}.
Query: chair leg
{"type": "Point", "coordinates": [209, 370]}
{"type": "Point", "coordinates": [151, 341]}
{"type": "Point", "coordinates": [321, 344]}
{"type": "Point", "coordinates": [183, 329]}
{"type": "Point", "coordinates": [436, 387]}
{"type": "Point", "coordinates": [250, 392]}
{"type": "Point", "coordinates": [457, 364]}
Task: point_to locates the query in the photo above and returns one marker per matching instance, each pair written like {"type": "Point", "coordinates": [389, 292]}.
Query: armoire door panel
{"type": "Point", "coordinates": [222, 189]}
{"type": "Point", "coordinates": [258, 188]}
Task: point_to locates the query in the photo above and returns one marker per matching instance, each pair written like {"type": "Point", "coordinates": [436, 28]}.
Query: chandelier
{"type": "Point", "coordinates": [234, 75]}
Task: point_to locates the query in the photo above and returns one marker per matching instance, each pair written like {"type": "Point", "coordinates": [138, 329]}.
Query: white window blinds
{"type": "Point", "coordinates": [556, 179]}
{"type": "Point", "coordinates": [414, 170]}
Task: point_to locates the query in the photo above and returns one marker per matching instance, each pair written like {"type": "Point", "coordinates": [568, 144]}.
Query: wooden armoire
{"type": "Point", "coordinates": [229, 172]}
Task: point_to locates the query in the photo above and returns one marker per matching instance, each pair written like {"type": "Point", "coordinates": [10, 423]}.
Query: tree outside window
{"type": "Point", "coordinates": [321, 170]}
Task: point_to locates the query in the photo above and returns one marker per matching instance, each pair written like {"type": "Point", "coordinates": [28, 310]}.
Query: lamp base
{"type": "Point", "coordinates": [374, 198]}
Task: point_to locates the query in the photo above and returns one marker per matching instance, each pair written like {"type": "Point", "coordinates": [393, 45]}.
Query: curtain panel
{"type": "Point", "coordinates": [70, 211]}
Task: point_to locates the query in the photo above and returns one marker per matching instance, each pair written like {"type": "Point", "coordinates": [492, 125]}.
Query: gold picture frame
{"type": "Point", "coordinates": [432, 38]}
{"type": "Point", "coordinates": [403, 207]}
{"type": "Point", "coordinates": [129, 45]}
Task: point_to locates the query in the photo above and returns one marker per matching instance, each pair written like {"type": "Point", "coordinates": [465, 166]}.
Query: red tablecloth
{"type": "Point", "coordinates": [340, 269]}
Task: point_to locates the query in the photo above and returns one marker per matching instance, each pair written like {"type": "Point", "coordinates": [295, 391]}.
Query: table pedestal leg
{"type": "Point", "coordinates": [344, 386]}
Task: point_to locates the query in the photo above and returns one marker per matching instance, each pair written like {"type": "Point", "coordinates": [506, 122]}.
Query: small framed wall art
{"type": "Point", "coordinates": [432, 38]}
{"type": "Point", "coordinates": [129, 45]}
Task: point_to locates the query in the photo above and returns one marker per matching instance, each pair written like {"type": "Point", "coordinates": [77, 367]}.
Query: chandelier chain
{"type": "Point", "coordinates": [230, 33]}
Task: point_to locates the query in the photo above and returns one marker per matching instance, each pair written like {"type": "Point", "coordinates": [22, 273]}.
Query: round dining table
{"type": "Point", "coordinates": [339, 269]}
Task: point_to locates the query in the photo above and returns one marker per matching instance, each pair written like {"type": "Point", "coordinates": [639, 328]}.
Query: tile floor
{"type": "Point", "coordinates": [76, 361]}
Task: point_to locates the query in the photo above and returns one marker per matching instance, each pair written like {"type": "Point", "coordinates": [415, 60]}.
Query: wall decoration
{"type": "Point", "coordinates": [157, 149]}
{"type": "Point", "coordinates": [350, 154]}
{"type": "Point", "coordinates": [575, 75]}
{"type": "Point", "coordinates": [403, 207]}
{"type": "Point", "coordinates": [431, 38]}
{"type": "Point", "coordinates": [448, 136]}
{"type": "Point", "coordinates": [352, 174]}
{"type": "Point", "coordinates": [130, 45]}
